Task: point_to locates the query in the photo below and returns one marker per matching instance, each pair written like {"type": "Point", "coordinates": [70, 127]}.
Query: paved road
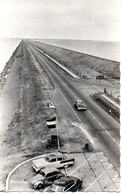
{"type": "Point", "coordinates": [102, 127]}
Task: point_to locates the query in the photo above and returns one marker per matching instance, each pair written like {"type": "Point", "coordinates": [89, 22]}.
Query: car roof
{"type": "Point", "coordinates": [79, 101]}
{"type": "Point", "coordinates": [53, 155]}
{"type": "Point", "coordinates": [48, 170]}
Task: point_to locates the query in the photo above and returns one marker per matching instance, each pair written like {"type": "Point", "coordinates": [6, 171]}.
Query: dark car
{"type": "Point", "coordinates": [45, 178]}
{"type": "Point", "coordinates": [79, 105]}
{"type": "Point", "coordinates": [66, 184]}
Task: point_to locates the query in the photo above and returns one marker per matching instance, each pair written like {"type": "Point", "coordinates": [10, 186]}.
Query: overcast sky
{"type": "Point", "coordinates": [60, 19]}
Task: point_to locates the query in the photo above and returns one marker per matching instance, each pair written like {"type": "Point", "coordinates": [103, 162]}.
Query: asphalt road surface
{"type": "Point", "coordinates": [100, 125]}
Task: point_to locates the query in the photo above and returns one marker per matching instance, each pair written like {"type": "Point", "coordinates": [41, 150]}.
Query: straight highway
{"type": "Point", "coordinates": [101, 126]}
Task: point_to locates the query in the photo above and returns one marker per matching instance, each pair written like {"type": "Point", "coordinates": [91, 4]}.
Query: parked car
{"type": "Point", "coordinates": [51, 105]}
{"type": "Point", "coordinates": [66, 184]}
{"type": "Point", "coordinates": [45, 177]}
{"type": "Point", "coordinates": [57, 160]}
{"type": "Point", "coordinates": [79, 105]}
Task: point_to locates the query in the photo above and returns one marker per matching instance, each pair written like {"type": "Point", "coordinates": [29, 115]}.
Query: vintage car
{"type": "Point", "coordinates": [45, 177]}
{"type": "Point", "coordinates": [66, 184]}
{"type": "Point", "coordinates": [79, 105]}
{"type": "Point", "coordinates": [57, 160]}
{"type": "Point", "coordinates": [51, 105]}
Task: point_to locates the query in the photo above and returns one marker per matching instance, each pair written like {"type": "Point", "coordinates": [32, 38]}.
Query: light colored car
{"type": "Point", "coordinates": [51, 105]}
{"type": "Point", "coordinates": [57, 160]}
{"type": "Point", "coordinates": [80, 105]}
{"type": "Point", "coordinates": [45, 178]}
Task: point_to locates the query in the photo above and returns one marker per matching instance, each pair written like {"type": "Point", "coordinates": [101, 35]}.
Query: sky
{"type": "Point", "coordinates": [60, 19]}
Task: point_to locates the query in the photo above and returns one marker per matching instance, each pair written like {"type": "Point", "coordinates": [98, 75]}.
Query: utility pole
{"type": "Point", "coordinates": [58, 141]}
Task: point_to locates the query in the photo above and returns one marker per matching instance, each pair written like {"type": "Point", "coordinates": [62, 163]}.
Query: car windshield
{"type": "Point", "coordinates": [80, 103]}
{"type": "Point", "coordinates": [57, 188]}
{"type": "Point", "coordinates": [51, 158]}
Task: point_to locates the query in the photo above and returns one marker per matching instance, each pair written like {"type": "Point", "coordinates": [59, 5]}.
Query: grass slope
{"type": "Point", "coordinates": [79, 62]}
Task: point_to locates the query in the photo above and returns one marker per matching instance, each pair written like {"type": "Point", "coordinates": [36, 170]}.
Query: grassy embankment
{"type": "Point", "coordinates": [82, 64]}
{"type": "Point", "coordinates": [27, 132]}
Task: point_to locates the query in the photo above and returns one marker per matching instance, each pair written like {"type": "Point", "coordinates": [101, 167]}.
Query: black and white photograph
{"type": "Point", "coordinates": [60, 96]}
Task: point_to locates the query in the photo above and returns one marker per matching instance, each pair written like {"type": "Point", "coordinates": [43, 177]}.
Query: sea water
{"type": "Point", "coordinates": [7, 47]}
{"type": "Point", "coordinates": [104, 49]}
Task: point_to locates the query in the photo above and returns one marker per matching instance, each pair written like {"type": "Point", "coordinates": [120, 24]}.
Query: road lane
{"type": "Point", "coordinates": [107, 144]}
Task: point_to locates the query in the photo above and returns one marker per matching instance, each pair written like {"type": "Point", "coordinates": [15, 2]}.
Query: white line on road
{"type": "Point", "coordinates": [97, 178]}
{"type": "Point", "coordinates": [69, 105]}
{"type": "Point", "coordinates": [104, 128]}
{"type": "Point", "coordinates": [63, 67]}
{"type": "Point", "coordinates": [115, 176]}
{"type": "Point", "coordinates": [81, 164]}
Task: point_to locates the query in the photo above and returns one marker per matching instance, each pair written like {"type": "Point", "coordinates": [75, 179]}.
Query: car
{"type": "Point", "coordinates": [79, 105]}
{"type": "Point", "coordinates": [45, 177]}
{"type": "Point", "coordinates": [66, 184]}
{"type": "Point", "coordinates": [51, 105]}
{"type": "Point", "coordinates": [57, 160]}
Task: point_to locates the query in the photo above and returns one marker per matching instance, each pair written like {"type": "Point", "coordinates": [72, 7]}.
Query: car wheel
{"type": "Point", "coordinates": [78, 190]}
{"type": "Point", "coordinates": [80, 187]}
{"type": "Point", "coordinates": [39, 186]}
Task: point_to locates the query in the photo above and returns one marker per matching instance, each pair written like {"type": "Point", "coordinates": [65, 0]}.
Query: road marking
{"type": "Point", "coordinates": [97, 178]}
{"type": "Point", "coordinates": [95, 118]}
{"type": "Point", "coordinates": [115, 176]}
{"type": "Point", "coordinates": [112, 137]}
{"type": "Point", "coordinates": [111, 166]}
{"type": "Point", "coordinates": [87, 111]}
{"type": "Point", "coordinates": [103, 159]}
{"type": "Point", "coordinates": [64, 68]}
{"type": "Point", "coordinates": [103, 128]}
{"type": "Point", "coordinates": [69, 105]}
{"type": "Point", "coordinates": [81, 164]}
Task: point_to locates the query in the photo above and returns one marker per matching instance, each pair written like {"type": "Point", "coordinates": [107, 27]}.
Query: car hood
{"type": "Point", "coordinates": [40, 162]}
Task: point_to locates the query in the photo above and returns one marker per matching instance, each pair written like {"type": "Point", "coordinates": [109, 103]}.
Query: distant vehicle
{"type": "Point", "coordinates": [57, 160]}
{"type": "Point", "coordinates": [100, 77]}
{"type": "Point", "coordinates": [80, 105]}
{"type": "Point", "coordinates": [45, 178]}
{"type": "Point", "coordinates": [66, 184]}
{"type": "Point", "coordinates": [51, 105]}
